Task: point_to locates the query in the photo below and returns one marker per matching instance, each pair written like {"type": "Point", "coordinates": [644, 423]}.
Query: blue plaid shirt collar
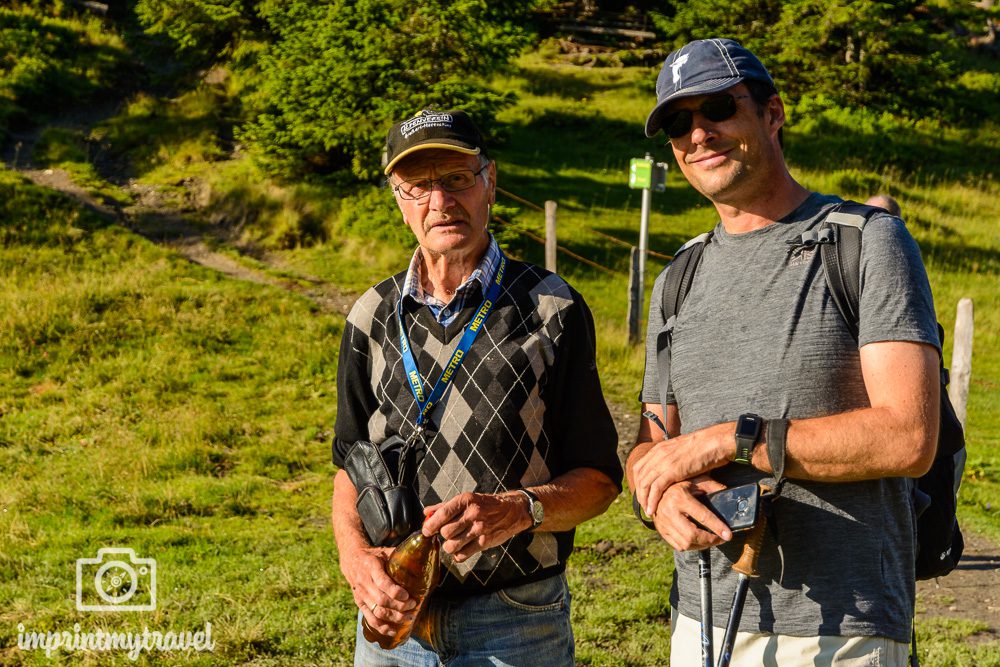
{"type": "Point", "coordinates": [445, 313]}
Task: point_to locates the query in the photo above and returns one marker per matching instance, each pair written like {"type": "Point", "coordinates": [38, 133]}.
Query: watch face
{"type": "Point", "coordinates": [537, 512]}
{"type": "Point", "coordinates": [747, 427]}
{"type": "Point", "coordinates": [535, 508]}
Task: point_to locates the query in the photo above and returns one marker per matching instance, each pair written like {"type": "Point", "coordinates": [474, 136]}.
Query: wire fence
{"type": "Point", "coordinates": [566, 251]}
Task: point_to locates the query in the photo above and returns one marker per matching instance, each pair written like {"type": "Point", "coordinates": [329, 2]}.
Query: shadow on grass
{"type": "Point", "coordinates": [65, 70]}
{"type": "Point", "coordinates": [585, 142]}
{"type": "Point", "coordinates": [659, 241]}
{"type": "Point", "coordinates": [830, 146]}
{"type": "Point", "coordinates": [594, 248]}
{"type": "Point", "coordinates": [568, 84]}
{"type": "Point", "coordinates": [976, 562]}
{"type": "Point", "coordinates": [32, 215]}
{"type": "Point", "coordinates": [555, 141]}
{"type": "Point", "coordinates": [961, 257]}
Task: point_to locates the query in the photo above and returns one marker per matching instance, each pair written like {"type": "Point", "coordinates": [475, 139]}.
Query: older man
{"type": "Point", "coordinates": [520, 448]}
{"type": "Point", "coordinates": [848, 416]}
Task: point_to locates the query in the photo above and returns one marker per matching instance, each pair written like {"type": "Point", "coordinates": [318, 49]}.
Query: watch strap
{"type": "Point", "coordinates": [745, 444]}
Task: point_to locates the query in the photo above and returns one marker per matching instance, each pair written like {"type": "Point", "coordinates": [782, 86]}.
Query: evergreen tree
{"type": "Point", "coordinates": [340, 72]}
{"type": "Point", "coordinates": [202, 30]}
{"type": "Point", "coordinates": [884, 56]}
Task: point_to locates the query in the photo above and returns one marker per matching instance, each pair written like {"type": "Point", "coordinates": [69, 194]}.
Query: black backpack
{"type": "Point", "coordinates": [940, 541]}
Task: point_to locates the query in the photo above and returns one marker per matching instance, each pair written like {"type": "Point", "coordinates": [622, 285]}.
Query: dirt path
{"type": "Point", "coordinates": [971, 592]}
{"type": "Point", "coordinates": [151, 218]}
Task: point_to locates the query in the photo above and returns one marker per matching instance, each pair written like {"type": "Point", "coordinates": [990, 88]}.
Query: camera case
{"type": "Point", "coordinates": [383, 477]}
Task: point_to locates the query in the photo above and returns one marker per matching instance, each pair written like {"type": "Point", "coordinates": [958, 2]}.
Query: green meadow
{"type": "Point", "coordinates": [150, 403]}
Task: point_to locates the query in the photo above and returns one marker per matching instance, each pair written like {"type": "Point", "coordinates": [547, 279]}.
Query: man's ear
{"type": "Point", "coordinates": [492, 169]}
{"type": "Point", "coordinates": [776, 112]}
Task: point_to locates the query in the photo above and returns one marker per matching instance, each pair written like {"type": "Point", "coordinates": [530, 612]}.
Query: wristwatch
{"type": "Point", "coordinates": [748, 428]}
{"type": "Point", "coordinates": [535, 509]}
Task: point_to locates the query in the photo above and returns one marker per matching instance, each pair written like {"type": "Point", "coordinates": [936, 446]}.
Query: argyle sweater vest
{"type": "Point", "coordinates": [508, 420]}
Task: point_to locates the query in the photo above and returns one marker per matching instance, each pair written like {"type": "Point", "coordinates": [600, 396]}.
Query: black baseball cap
{"type": "Point", "coordinates": [703, 67]}
{"type": "Point", "coordinates": [450, 130]}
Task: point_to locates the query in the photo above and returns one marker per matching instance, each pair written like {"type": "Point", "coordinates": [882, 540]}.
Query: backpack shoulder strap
{"type": "Point", "coordinates": [842, 258]}
{"type": "Point", "coordinates": [680, 274]}
{"type": "Point", "coordinates": [675, 287]}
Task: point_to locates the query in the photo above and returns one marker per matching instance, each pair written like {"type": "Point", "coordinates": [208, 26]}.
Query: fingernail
{"type": "Point", "coordinates": [726, 535]}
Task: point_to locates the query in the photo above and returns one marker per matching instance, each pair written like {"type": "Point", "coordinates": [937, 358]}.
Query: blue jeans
{"type": "Point", "coordinates": [521, 626]}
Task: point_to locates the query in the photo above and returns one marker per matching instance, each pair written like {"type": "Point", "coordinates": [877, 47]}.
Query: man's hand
{"type": "Point", "coordinates": [677, 459]}
{"type": "Point", "coordinates": [385, 604]}
{"type": "Point", "coordinates": [472, 522]}
{"type": "Point", "coordinates": [681, 509]}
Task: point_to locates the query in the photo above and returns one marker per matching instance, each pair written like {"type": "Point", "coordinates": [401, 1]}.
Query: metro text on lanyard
{"type": "Point", "coordinates": [416, 382]}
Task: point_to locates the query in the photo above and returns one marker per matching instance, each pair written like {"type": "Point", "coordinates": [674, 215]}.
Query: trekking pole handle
{"type": "Point", "coordinates": [747, 564]}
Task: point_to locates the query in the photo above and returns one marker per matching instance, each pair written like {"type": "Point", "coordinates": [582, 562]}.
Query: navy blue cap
{"type": "Point", "coordinates": [702, 67]}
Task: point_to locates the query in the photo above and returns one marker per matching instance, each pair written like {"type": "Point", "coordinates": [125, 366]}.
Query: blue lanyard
{"type": "Point", "coordinates": [416, 382]}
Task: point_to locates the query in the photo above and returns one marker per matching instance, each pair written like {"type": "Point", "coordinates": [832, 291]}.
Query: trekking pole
{"type": "Point", "coordinates": [747, 568]}
{"type": "Point", "coordinates": [705, 579]}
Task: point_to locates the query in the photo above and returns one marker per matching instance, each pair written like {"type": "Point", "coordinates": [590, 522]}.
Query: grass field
{"type": "Point", "coordinates": [147, 402]}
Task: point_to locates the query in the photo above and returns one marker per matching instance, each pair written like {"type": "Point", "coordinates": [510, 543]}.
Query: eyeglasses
{"type": "Point", "coordinates": [456, 181]}
{"type": "Point", "coordinates": [716, 108]}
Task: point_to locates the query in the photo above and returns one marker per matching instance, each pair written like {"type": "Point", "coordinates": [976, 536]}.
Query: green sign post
{"type": "Point", "coordinates": [646, 175]}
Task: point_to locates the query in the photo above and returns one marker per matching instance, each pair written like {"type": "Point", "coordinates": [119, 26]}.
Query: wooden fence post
{"type": "Point", "coordinates": [634, 296]}
{"type": "Point", "coordinates": [550, 236]}
{"type": "Point", "coordinates": [961, 359]}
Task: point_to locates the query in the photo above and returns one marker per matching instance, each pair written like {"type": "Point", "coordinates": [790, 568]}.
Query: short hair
{"type": "Point", "coordinates": [886, 202]}
{"type": "Point", "coordinates": [760, 93]}
{"type": "Point", "coordinates": [485, 173]}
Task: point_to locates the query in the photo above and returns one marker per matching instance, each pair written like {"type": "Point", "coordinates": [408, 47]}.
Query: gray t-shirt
{"type": "Point", "coordinates": [759, 332]}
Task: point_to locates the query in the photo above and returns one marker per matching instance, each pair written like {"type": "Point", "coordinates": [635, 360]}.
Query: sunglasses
{"type": "Point", "coordinates": [716, 108]}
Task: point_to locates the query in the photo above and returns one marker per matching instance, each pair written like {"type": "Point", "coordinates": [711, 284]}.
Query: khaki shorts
{"type": "Point", "coordinates": [765, 650]}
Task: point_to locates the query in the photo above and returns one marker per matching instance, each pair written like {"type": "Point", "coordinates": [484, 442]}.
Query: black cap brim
{"type": "Point", "coordinates": [432, 143]}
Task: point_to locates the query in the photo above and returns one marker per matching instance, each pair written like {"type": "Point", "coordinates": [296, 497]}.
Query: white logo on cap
{"type": "Point", "coordinates": [426, 120]}
{"type": "Point", "coordinates": [675, 67]}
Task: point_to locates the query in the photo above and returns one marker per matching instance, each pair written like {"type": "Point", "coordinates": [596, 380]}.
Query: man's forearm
{"type": "Point", "coordinates": [896, 436]}
{"type": "Point", "coordinates": [870, 443]}
{"type": "Point", "coordinates": [638, 451]}
{"type": "Point", "coordinates": [574, 497]}
{"type": "Point", "coordinates": [347, 529]}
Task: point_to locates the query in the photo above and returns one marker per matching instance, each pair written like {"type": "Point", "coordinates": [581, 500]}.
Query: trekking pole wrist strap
{"type": "Point", "coordinates": [639, 514]}
{"type": "Point", "coordinates": [777, 432]}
